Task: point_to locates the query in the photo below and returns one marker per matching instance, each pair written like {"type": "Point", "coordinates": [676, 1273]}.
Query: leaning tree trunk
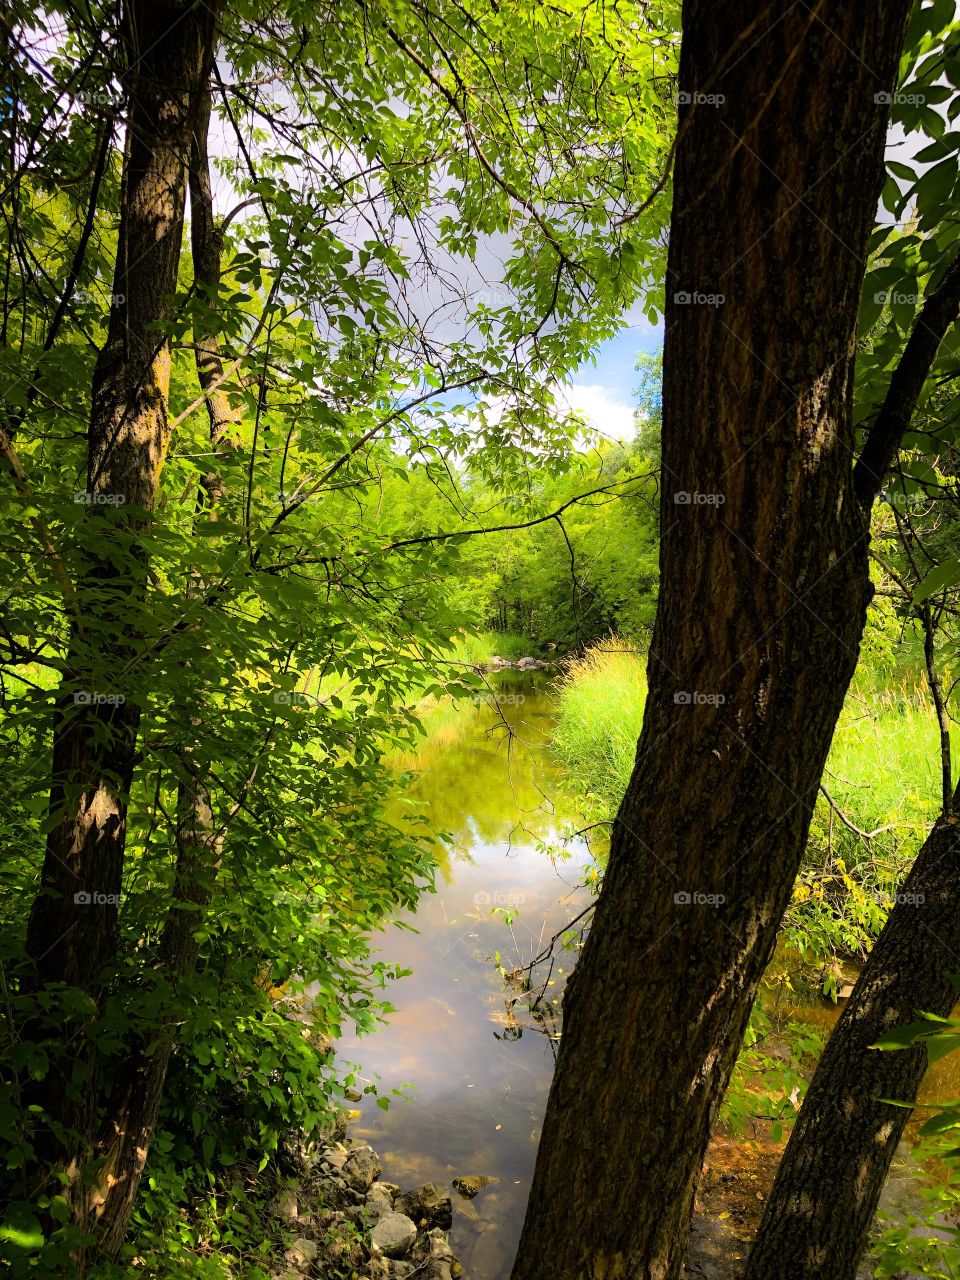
{"type": "Point", "coordinates": [817, 1218]}
{"type": "Point", "coordinates": [764, 577]}
{"type": "Point", "coordinates": [72, 932]}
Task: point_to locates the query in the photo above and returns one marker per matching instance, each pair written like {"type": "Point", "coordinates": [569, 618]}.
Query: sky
{"type": "Point", "coordinates": [603, 390]}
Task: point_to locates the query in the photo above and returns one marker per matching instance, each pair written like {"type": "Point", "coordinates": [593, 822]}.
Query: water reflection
{"type": "Point", "coordinates": [479, 1066]}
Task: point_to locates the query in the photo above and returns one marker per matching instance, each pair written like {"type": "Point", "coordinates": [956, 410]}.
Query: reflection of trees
{"type": "Point", "coordinates": [491, 793]}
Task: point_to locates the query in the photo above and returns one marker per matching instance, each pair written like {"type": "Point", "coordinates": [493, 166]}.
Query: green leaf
{"type": "Point", "coordinates": [944, 575]}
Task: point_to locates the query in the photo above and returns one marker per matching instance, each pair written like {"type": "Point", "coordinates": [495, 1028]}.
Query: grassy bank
{"type": "Point", "coordinates": [601, 697]}
{"type": "Point", "coordinates": [882, 777]}
{"type": "Point", "coordinates": [481, 646]}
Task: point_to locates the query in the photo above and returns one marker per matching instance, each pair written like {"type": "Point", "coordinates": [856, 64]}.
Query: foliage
{"type": "Point", "coordinates": [600, 701]}
{"type": "Point", "coordinates": [929, 1246]}
{"type": "Point", "coordinates": [771, 1075]}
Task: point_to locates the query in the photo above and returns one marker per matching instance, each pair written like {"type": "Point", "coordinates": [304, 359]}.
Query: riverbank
{"type": "Point", "coordinates": [349, 1223]}
{"type": "Point", "coordinates": [880, 793]}
{"type": "Point", "coordinates": [880, 796]}
{"type": "Point", "coordinates": [477, 1062]}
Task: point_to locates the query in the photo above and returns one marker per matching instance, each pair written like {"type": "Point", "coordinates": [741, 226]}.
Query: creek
{"type": "Point", "coordinates": [473, 1063]}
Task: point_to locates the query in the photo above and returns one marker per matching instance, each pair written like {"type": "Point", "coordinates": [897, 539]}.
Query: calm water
{"type": "Point", "coordinates": [481, 1066]}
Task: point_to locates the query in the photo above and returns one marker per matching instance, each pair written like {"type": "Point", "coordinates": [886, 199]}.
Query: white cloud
{"type": "Point", "coordinates": [602, 411]}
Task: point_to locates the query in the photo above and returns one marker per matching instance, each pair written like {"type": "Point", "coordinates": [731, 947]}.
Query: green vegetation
{"type": "Point", "coordinates": [290, 302]}
{"type": "Point", "coordinates": [600, 701]}
{"type": "Point", "coordinates": [479, 647]}
{"type": "Point", "coordinates": [882, 776]}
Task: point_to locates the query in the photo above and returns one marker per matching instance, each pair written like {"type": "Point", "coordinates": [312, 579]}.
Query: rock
{"type": "Point", "coordinates": [427, 1204]}
{"type": "Point", "coordinates": [846, 991]}
{"type": "Point", "coordinates": [497, 661]}
{"type": "Point", "coordinates": [379, 1201]}
{"type": "Point", "coordinates": [470, 1186]}
{"type": "Point", "coordinates": [361, 1169]}
{"type": "Point", "coordinates": [438, 1269]}
{"type": "Point", "coordinates": [393, 1235]}
{"type": "Point", "coordinates": [434, 1258]}
{"type": "Point", "coordinates": [379, 1268]}
{"type": "Point", "coordinates": [301, 1253]}
{"type": "Point", "coordinates": [284, 1204]}
{"type": "Point", "coordinates": [386, 1189]}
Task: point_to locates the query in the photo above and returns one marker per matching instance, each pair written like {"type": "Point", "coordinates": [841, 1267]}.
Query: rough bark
{"type": "Point", "coordinates": [816, 1221]}
{"type": "Point", "coordinates": [72, 931]}
{"type": "Point", "coordinates": [763, 597]}
{"type": "Point", "coordinates": [131, 1121]}
{"type": "Point", "coordinates": [171, 47]}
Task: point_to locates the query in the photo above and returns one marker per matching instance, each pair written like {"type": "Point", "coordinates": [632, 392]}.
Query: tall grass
{"type": "Point", "coordinates": [481, 646]}
{"type": "Point", "coordinates": [883, 772]}
{"type": "Point", "coordinates": [600, 703]}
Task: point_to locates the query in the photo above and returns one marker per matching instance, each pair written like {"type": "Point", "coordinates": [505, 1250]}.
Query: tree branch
{"type": "Point", "coordinates": [938, 313]}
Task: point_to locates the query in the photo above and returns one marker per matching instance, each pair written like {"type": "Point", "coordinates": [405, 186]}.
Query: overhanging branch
{"type": "Point", "coordinates": [938, 313]}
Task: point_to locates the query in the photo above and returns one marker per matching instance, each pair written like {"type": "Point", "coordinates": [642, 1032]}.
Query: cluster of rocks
{"type": "Point", "coordinates": [496, 663]}
{"type": "Point", "coordinates": [360, 1226]}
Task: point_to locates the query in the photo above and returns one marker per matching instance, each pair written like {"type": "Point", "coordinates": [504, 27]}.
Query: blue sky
{"type": "Point", "coordinates": [603, 390]}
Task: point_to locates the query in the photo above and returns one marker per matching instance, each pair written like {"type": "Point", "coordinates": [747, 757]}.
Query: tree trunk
{"type": "Point", "coordinates": [763, 566]}
{"type": "Point", "coordinates": [72, 931]}
{"type": "Point", "coordinates": [131, 1121]}
{"type": "Point", "coordinates": [816, 1221]}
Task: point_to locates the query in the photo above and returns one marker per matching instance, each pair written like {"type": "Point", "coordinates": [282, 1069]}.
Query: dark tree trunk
{"type": "Point", "coordinates": [764, 590]}
{"type": "Point", "coordinates": [72, 931]}
{"type": "Point", "coordinates": [131, 1120]}
{"type": "Point", "coordinates": [816, 1220]}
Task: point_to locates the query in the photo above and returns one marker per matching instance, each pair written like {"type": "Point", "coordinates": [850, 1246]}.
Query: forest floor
{"type": "Point", "coordinates": [736, 1180]}
{"type": "Point", "coordinates": [735, 1183]}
